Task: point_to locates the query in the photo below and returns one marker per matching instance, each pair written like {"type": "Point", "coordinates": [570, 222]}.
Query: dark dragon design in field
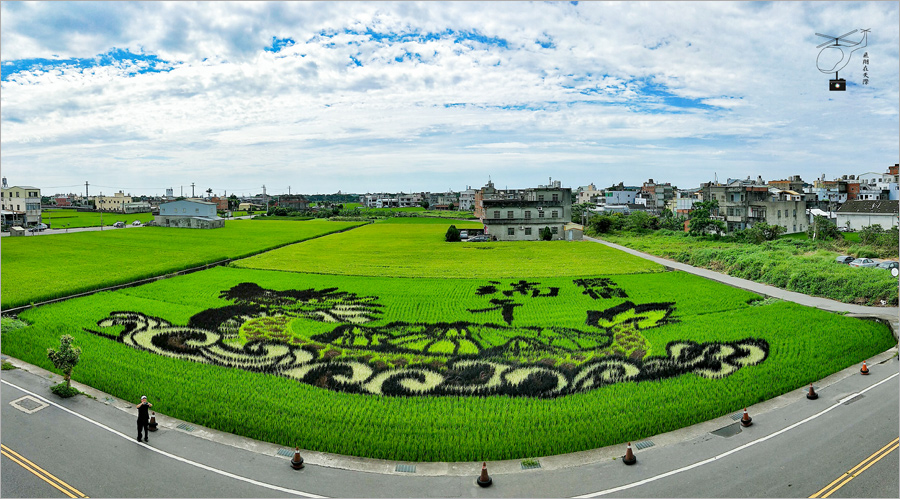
{"type": "Point", "coordinates": [444, 358]}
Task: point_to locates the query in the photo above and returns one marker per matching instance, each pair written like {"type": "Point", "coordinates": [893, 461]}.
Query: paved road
{"type": "Point", "coordinates": [794, 448]}
{"type": "Point", "coordinates": [887, 313]}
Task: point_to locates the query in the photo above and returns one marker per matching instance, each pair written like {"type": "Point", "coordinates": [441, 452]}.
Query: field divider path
{"type": "Point", "coordinates": [226, 261]}
{"type": "Point", "coordinates": [890, 315]}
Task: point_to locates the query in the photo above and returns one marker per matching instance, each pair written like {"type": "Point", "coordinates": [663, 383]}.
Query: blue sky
{"type": "Point", "coordinates": [366, 97]}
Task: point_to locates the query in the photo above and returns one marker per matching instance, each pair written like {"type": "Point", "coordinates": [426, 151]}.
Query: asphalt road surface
{"type": "Point", "coordinates": [837, 446]}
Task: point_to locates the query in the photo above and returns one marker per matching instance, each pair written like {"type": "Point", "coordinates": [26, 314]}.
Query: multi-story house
{"type": "Point", "coordinates": [467, 199]}
{"type": "Point", "coordinates": [519, 215]}
{"type": "Point", "coordinates": [293, 202]}
{"type": "Point", "coordinates": [587, 194]}
{"type": "Point", "coordinates": [619, 195]}
{"type": "Point", "coordinates": [115, 202]}
{"type": "Point", "coordinates": [20, 204]}
{"type": "Point", "coordinates": [410, 200]}
{"type": "Point", "coordinates": [655, 196]}
{"type": "Point", "coordinates": [743, 203]}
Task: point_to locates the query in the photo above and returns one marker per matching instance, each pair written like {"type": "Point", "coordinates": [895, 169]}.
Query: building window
{"type": "Point", "coordinates": [795, 213]}
{"type": "Point", "coordinates": [541, 214]}
{"type": "Point", "coordinates": [540, 197]}
{"type": "Point", "coordinates": [496, 213]}
{"type": "Point", "coordinates": [509, 214]}
{"type": "Point", "coordinates": [17, 193]}
{"type": "Point", "coordinates": [527, 214]}
{"type": "Point", "coordinates": [554, 230]}
{"type": "Point", "coordinates": [779, 213]}
{"type": "Point", "coordinates": [555, 214]}
{"type": "Point", "coordinates": [795, 228]}
{"type": "Point", "coordinates": [556, 198]}
{"type": "Point", "coordinates": [527, 231]}
{"type": "Point", "coordinates": [511, 231]}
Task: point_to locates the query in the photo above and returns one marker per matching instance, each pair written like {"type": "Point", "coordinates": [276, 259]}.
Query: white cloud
{"type": "Point", "coordinates": [688, 83]}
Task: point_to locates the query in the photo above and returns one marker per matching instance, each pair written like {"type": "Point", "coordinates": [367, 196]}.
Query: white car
{"type": "Point", "coordinates": [136, 223]}
{"type": "Point", "coordinates": [863, 262]}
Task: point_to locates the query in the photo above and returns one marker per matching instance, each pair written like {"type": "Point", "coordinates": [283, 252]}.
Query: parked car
{"type": "Point", "coordinates": [119, 225]}
{"type": "Point", "coordinates": [844, 259]}
{"type": "Point", "coordinates": [463, 234]}
{"type": "Point", "coordinates": [888, 264]}
{"type": "Point", "coordinates": [863, 262]}
{"type": "Point", "coordinates": [136, 223]}
{"type": "Point", "coordinates": [480, 239]}
{"type": "Point", "coordinates": [38, 228]}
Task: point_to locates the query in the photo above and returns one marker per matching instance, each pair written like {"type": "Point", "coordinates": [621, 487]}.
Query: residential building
{"type": "Point", "coordinates": [410, 200]}
{"type": "Point", "coordinates": [221, 202]}
{"type": "Point", "coordinates": [21, 204]}
{"type": "Point", "coordinates": [293, 202]}
{"type": "Point", "coordinates": [655, 196]}
{"type": "Point", "coordinates": [116, 202]}
{"type": "Point", "coordinates": [743, 203]}
{"type": "Point", "coordinates": [189, 213]}
{"type": "Point", "coordinates": [619, 194]}
{"type": "Point", "coordinates": [587, 194]}
{"type": "Point", "coordinates": [857, 214]}
{"type": "Point", "coordinates": [519, 215]}
{"type": "Point", "coordinates": [467, 199]}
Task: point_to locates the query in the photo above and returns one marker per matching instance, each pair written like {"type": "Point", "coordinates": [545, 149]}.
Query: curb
{"type": "Point", "coordinates": [432, 469]}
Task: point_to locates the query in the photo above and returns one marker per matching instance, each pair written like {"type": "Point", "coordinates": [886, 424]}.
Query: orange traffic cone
{"type": "Point", "coordinates": [746, 420]}
{"type": "Point", "coordinates": [629, 458]}
{"type": "Point", "coordinates": [484, 480]}
{"type": "Point", "coordinates": [812, 395]}
{"type": "Point", "coordinates": [864, 370]}
{"type": "Point", "coordinates": [152, 424]}
{"type": "Point", "coordinates": [297, 461]}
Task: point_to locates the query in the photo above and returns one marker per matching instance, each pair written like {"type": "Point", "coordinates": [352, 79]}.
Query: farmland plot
{"type": "Point", "coordinates": [492, 367]}
{"type": "Point", "coordinates": [50, 267]}
{"type": "Point", "coordinates": [418, 250]}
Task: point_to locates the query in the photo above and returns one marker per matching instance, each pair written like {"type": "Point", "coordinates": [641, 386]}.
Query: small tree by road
{"type": "Point", "coordinates": [65, 360]}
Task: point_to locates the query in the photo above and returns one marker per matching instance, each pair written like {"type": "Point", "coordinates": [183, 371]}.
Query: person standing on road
{"type": "Point", "coordinates": [143, 420]}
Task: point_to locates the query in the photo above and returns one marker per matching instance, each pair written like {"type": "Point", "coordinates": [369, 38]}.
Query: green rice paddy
{"type": "Point", "coordinates": [52, 266]}
{"type": "Point", "coordinates": [357, 343]}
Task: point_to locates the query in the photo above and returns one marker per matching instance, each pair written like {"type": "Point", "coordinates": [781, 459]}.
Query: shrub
{"type": "Point", "coordinates": [546, 234]}
{"type": "Point", "coordinates": [6, 365]}
{"type": "Point", "coordinates": [452, 235]}
{"type": "Point", "coordinates": [64, 390]}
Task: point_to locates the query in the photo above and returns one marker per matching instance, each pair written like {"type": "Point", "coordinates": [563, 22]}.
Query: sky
{"type": "Point", "coordinates": [357, 97]}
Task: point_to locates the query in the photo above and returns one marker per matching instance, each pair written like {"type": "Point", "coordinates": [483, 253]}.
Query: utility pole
{"type": "Point", "coordinates": [289, 190]}
{"type": "Point", "coordinates": [101, 210]}
{"type": "Point", "coordinates": [265, 197]}
{"type": "Point", "coordinates": [85, 190]}
{"type": "Point", "coordinates": [192, 189]}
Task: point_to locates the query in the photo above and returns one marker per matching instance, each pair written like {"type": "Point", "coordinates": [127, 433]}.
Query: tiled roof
{"type": "Point", "coordinates": [859, 206]}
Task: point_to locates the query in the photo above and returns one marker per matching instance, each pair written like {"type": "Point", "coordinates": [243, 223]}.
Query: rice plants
{"type": "Point", "coordinates": [419, 250]}
{"type": "Point", "coordinates": [63, 265]}
{"type": "Point", "coordinates": [351, 364]}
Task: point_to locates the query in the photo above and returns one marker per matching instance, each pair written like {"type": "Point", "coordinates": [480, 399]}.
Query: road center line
{"type": "Point", "coordinates": [164, 453]}
{"type": "Point", "coordinates": [732, 451]}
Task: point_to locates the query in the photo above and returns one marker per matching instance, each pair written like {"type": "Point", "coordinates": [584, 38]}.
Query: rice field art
{"type": "Point", "coordinates": [436, 369]}
{"type": "Point", "coordinates": [436, 358]}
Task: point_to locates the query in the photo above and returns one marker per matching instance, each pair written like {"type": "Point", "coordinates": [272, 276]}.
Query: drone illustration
{"type": "Point", "coordinates": [834, 56]}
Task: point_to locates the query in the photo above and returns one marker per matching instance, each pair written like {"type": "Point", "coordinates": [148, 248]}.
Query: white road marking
{"type": "Point", "coordinates": [164, 453]}
{"type": "Point", "coordinates": [732, 451]}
